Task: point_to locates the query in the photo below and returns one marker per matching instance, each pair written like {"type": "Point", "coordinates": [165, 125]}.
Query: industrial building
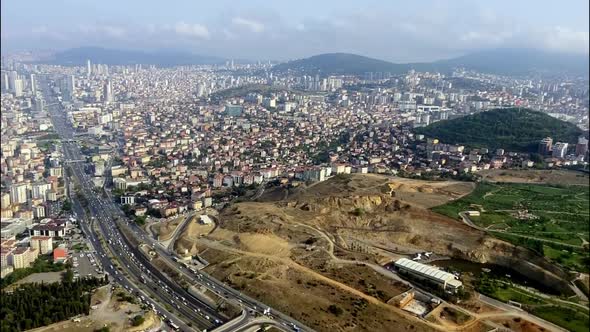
{"type": "Point", "coordinates": [429, 274]}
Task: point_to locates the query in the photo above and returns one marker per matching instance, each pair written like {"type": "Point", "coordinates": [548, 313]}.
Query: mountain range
{"type": "Point", "coordinates": [496, 61]}
{"type": "Point", "coordinates": [166, 58]}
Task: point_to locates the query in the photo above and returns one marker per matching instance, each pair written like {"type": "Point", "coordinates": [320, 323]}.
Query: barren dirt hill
{"type": "Point", "coordinates": [299, 247]}
{"type": "Point", "coordinates": [560, 177]}
{"type": "Point", "coordinates": [417, 192]}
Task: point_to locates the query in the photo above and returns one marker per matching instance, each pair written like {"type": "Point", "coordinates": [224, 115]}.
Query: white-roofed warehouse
{"type": "Point", "coordinates": [428, 273]}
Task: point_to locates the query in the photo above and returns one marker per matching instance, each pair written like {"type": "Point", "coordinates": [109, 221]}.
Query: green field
{"type": "Point", "coordinates": [555, 219]}
{"type": "Point", "coordinates": [570, 319]}
{"type": "Point", "coordinates": [563, 314]}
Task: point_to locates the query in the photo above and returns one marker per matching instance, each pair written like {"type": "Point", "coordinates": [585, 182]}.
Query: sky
{"type": "Point", "coordinates": [399, 31]}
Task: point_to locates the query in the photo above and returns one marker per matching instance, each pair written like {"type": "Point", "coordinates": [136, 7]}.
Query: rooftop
{"type": "Point", "coordinates": [426, 270]}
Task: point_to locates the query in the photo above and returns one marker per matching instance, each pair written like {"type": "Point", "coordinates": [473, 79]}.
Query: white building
{"type": "Point", "coordinates": [205, 219]}
{"type": "Point", "coordinates": [559, 150]}
{"type": "Point", "coordinates": [19, 193]}
{"type": "Point", "coordinates": [128, 200]}
{"type": "Point", "coordinates": [427, 273]}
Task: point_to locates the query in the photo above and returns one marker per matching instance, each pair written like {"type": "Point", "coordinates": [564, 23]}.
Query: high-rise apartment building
{"type": "Point", "coordinates": [19, 86]}
{"type": "Point", "coordinates": [545, 146]}
{"type": "Point", "coordinates": [108, 92]}
{"type": "Point", "coordinates": [33, 82]}
{"type": "Point", "coordinates": [18, 193]}
{"type": "Point", "coordinates": [581, 146]}
{"type": "Point", "coordinates": [560, 150]}
{"type": "Point", "coordinates": [88, 68]}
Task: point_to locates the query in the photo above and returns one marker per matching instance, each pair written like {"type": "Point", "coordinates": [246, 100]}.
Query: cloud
{"type": "Point", "coordinates": [191, 30]}
{"type": "Point", "coordinates": [565, 39]}
{"type": "Point", "coordinates": [42, 31]}
{"type": "Point", "coordinates": [251, 25]}
{"type": "Point", "coordinates": [440, 29]}
{"type": "Point", "coordinates": [103, 30]}
{"type": "Point", "coordinates": [39, 30]}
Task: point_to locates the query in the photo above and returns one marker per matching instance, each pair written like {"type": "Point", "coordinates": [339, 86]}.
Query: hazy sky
{"type": "Point", "coordinates": [277, 29]}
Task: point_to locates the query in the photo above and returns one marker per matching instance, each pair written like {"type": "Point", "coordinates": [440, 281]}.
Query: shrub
{"type": "Point", "coordinates": [335, 310]}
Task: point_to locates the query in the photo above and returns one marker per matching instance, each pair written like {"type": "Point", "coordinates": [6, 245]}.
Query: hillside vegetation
{"type": "Point", "coordinates": [512, 129]}
{"type": "Point", "coordinates": [341, 63]}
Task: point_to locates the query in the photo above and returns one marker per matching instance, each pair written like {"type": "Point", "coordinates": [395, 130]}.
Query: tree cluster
{"type": "Point", "coordinates": [34, 305]}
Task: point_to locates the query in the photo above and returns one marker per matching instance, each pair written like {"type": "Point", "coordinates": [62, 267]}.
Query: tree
{"type": "Point", "coordinates": [358, 212]}
{"type": "Point", "coordinates": [137, 320]}
{"type": "Point", "coordinates": [140, 220]}
{"type": "Point", "coordinates": [33, 305]}
{"type": "Point", "coordinates": [68, 276]}
{"type": "Point", "coordinates": [67, 206]}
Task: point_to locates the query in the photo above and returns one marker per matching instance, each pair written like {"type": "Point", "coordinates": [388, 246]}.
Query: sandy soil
{"type": "Point", "coordinates": [165, 229]}
{"type": "Point", "coordinates": [306, 298]}
{"type": "Point", "coordinates": [46, 277]}
{"type": "Point", "coordinates": [188, 239]}
{"type": "Point", "coordinates": [518, 325]}
{"type": "Point", "coordinates": [109, 312]}
{"type": "Point", "coordinates": [536, 176]}
{"type": "Point", "coordinates": [265, 244]}
{"type": "Point", "coordinates": [417, 192]}
{"type": "Point", "coordinates": [302, 254]}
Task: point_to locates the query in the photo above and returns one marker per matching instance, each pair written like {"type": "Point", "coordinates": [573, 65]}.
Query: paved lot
{"type": "Point", "coordinates": [46, 277]}
{"type": "Point", "coordinates": [85, 265]}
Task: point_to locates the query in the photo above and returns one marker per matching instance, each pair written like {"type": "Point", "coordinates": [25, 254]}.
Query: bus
{"type": "Point", "coordinates": [174, 326]}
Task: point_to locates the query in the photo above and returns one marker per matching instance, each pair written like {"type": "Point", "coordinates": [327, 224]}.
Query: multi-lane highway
{"type": "Point", "coordinates": [107, 221]}
{"type": "Point", "coordinates": [168, 294]}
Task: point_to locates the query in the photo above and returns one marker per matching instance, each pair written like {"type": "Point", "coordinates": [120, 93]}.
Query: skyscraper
{"type": "Point", "coordinates": [18, 87]}
{"type": "Point", "coordinates": [69, 86]}
{"type": "Point", "coordinates": [12, 77]}
{"type": "Point", "coordinates": [39, 104]}
{"type": "Point", "coordinates": [88, 68]}
{"type": "Point", "coordinates": [33, 80]}
{"type": "Point", "coordinates": [108, 92]}
{"type": "Point", "coordinates": [5, 85]}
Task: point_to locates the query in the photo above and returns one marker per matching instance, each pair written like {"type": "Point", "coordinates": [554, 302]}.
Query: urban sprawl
{"type": "Point", "coordinates": [168, 140]}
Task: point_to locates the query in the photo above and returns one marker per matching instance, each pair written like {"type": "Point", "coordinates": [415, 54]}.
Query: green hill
{"type": "Point", "coordinates": [512, 129]}
{"type": "Point", "coordinates": [339, 63]}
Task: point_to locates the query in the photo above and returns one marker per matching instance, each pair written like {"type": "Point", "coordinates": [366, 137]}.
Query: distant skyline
{"type": "Point", "coordinates": [397, 31]}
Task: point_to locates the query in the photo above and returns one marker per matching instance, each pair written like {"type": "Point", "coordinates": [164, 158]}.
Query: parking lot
{"type": "Point", "coordinates": [85, 264]}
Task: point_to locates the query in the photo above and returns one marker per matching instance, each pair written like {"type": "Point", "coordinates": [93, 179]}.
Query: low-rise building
{"type": "Point", "coordinates": [49, 229]}
{"type": "Point", "coordinates": [429, 274]}
{"type": "Point", "coordinates": [60, 255]}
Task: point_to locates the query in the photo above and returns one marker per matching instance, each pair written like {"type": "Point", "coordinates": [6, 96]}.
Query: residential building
{"type": "Point", "coordinates": [42, 243]}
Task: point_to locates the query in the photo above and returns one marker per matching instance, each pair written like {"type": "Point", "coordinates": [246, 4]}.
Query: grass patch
{"type": "Point", "coordinates": [565, 317]}
{"type": "Point", "coordinates": [569, 259]}
{"type": "Point", "coordinates": [80, 247]}
{"type": "Point", "coordinates": [562, 314]}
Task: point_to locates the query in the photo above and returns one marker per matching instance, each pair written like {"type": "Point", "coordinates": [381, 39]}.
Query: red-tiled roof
{"type": "Point", "coordinates": [59, 253]}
